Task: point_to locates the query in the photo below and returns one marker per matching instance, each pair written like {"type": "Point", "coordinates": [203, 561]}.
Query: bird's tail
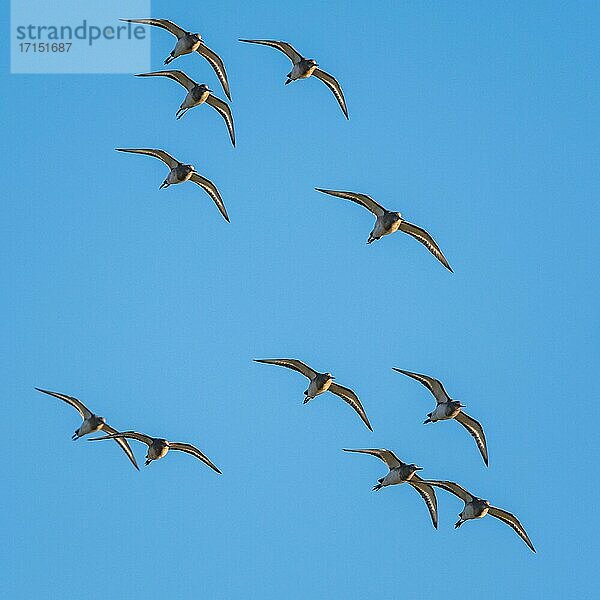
{"type": "Point", "coordinates": [428, 420]}
{"type": "Point", "coordinates": [379, 485]}
{"type": "Point", "coordinates": [458, 523]}
{"type": "Point", "coordinates": [288, 81]}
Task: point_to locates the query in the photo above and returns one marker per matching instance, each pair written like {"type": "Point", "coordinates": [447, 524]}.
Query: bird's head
{"type": "Point", "coordinates": [188, 168]}
{"type": "Point", "coordinates": [312, 62]}
{"type": "Point", "coordinates": [414, 468]}
{"type": "Point", "coordinates": [204, 87]}
{"type": "Point", "coordinates": [196, 37]}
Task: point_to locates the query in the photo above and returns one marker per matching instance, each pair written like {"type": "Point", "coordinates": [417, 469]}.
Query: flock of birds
{"type": "Point", "coordinates": [386, 222]}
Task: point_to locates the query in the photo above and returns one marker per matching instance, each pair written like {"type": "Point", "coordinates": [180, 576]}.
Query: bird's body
{"type": "Point", "coordinates": [180, 172]}
{"type": "Point", "coordinates": [387, 222]}
{"type": "Point", "coordinates": [447, 408]}
{"type": "Point", "coordinates": [477, 508]}
{"type": "Point", "coordinates": [91, 422]}
{"type": "Point", "coordinates": [320, 383]}
{"type": "Point", "coordinates": [401, 472]}
{"type": "Point", "coordinates": [187, 43]}
{"type": "Point", "coordinates": [303, 68]}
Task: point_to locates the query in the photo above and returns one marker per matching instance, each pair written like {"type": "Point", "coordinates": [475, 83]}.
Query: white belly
{"type": "Point", "coordinates": [314, 389]}
{"type": "Point", "coordinates": [183, 46]}
{"type": "Point", "coordinates": [439, 414]}
{"type": "Point", "coordinates": [470, 512]}
{"type": "Point", "coordinates": [173, 178]}
{"type": "Point", "coordinates": [393, 478]}
{"type": "Point", "coordinates": [87, 427]}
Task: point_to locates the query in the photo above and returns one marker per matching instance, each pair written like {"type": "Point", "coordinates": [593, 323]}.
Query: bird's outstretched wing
{"type": "Point", "coordinates": [284, 47]}
{"type": "Point", "coordinates": [77, 404]}
{"type": "Point", "coordinates": [290, 363]}
{"type": "Point", "coordinates": [453, 488]}
{"type": "Point", "coordinates": [132, 435]}
{"type": "Point", "coordinates": [217, 64]}
{"type": "Point", "coordinates": [433, 385]}
{"type": "Point", "coordinates": [194, 452]}
{"type": "Point", "coordinates": [163, 23]}
{"type": "Point", "coordinates": [178, 76]}
{"type": "Point", "coordinates": [513, 522]}
{"type": "Point", "coordinates": [348, 396]}
{"type": "Point", "coordinates": [160, 154]}
{"type": "Point", "coordinates": [476, 430]}
{"type": "Point", "coordinates": [387, 456]}
{"type": "Point", "coordinates": [428, 494]}
{"type": "Point", "coordinates": [225, 111]}
{"type": "Point", "coordinates": [211, 189]}
{"type": "Point", "coordinates": [422, 236]}
{"type": "Point", "coordinates": [332, 83]}
{"type": "Point", "coordinates": [361, 199]}
{"type": "Point", "coordinates": [122, 442]}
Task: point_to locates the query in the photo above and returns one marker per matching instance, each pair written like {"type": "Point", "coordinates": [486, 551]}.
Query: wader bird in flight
{"type": "Point", "coordinates": [401, 472]}
{"type": "Point", "coordinates": [476, 508]}
{"type": "Point", "coordinates": [303, 68]}
{"type": "Point", "coordinates": [450, 409]}
{"type": "Point", "coordinates": [91, 422]}
{"type": "Point", "coordinates": [186, 44]}
{"type": "Point", "coordinates": [388, 222]}
{"type": "Point", "coordinates": [319, 383]}
{"type": "Point", "coordinates": [180, 173]}
{"type": "Point", "coordinates": [198, 93]}
{"type": "Point", "coordinates": [158, 447]}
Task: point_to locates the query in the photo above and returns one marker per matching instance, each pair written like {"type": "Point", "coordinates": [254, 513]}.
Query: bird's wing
{"type": "Point", "coordinates": [160, 154]}
{"type": "Point", "coordinates": [217, 64]}
{"type": "Point", "coordinates": [194, 452]}
{"type": "Point", "coordinates": [164, 23]}
{"type": "Point", "coordinates": [476, 430]}
{"type": "Point", "coordinates": [433, 385]}
{"type": "Point", "coordinates": [123, 443]}
{"type": "Point", "coordinates": [333, 84]}
{"type": "Point", "coordinates": [513, 522]}
{"type": "Point", "coordinates": [453, 488]}
{"type": "Point", "coordinates": [178, 76]}
{"type": "Point", "coordinates": [78, 405]}
{"type": "Point", "coordinates": [211, 189]}
{"type": "Point", "coordinates": [351, 398]}
{"type": "Point", "coordinates": [361, 199]}
{"type": "Point", "coordinates": [426, 240]}
{"type": "Point", "coordinates": [428, 494]}
{"type": "Point", "coordinates": [225, 111]}
{"type": "Point", "coordinates": [290, 363]}
{"type": "Point", "coordinates": [286, 48]}
{"type": "Point", "coordinates": [387, 456]}
{"type": "Point", "coordinates": [133, 435]}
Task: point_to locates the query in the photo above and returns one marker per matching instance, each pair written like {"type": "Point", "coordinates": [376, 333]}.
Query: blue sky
{"type": "Point", "coordinates": [477, 121]}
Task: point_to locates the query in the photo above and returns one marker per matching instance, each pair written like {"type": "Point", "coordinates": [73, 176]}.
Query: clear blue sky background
{"type": "Point", "coordinates": [479, 121]}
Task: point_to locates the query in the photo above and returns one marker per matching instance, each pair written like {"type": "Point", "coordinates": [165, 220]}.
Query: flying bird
{"type": "Point", "coordinates": [401, 472]}
{"type": "Point", "coordinates": [303, 68]}
{"type": "Point", "coordinates": [450, 409]}
{"type": "Point", "coordinates": [187, 43]}
{"type": "Point", "coordinates": [319, 383]}
{"type": "Point", "coordinates": [158, 447]}
{"type": "Point", "coordinates": [198, 93]}
{"type": "Point", "coordinates": [181, 172]}
{"type": "Point", "coordinates": [91, 422]}
{"type": "Point", "coordinates": [388, 222]}
{"type": "Point", "coordinates": [476, 508]}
